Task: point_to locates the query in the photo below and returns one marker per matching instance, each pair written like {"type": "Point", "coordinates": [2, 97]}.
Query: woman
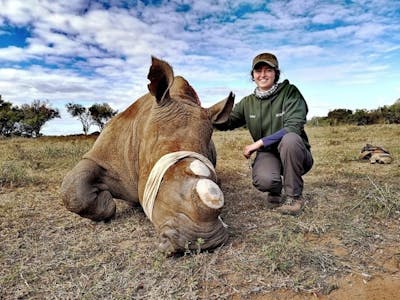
{"type": "Point", "coordinates": [275, 115]}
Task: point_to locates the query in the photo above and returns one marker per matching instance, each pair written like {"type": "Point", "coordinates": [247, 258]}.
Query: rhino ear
{"type": "Point", "coordinates": [219, 113]}
{"type": "Point", "coordinates": [161, 77]}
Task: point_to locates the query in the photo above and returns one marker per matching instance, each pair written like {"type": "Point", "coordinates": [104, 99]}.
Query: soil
{"type": "Point", "coordinates": [345, 245]}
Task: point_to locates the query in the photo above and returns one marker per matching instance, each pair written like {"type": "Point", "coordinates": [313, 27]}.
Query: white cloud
{"type": "Point", "coordinates": [79, 51]}
{"type": "Point", "coordinates": [13, 54]}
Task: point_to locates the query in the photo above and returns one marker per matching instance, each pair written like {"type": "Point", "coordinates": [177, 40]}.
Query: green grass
{"type": "Point", "coordinates": [349, 226]}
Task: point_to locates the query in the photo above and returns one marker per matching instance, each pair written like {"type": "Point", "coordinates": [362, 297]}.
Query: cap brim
{"type": "Point", "coordinates": [264, 61]}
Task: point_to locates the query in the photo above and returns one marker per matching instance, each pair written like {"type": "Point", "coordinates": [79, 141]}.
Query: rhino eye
{"type": "Point", "coordinates": [199, 168]}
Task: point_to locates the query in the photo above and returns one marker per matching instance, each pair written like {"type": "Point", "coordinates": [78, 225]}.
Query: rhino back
{"type": "Point", "coordinates": [116, 149]}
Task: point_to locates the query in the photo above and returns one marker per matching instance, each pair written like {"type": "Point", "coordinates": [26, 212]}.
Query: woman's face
{"type": "Point", "coordinates": [264, 76]}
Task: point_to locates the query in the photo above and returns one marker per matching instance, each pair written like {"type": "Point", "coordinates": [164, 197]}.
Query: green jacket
{"type": "Point", "coordinates": [286, 108]}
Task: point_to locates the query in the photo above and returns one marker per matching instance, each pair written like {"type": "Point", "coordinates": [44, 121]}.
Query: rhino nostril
{"type": "Point", "coordinates": [165, 245]}
{"type": "Point", "coordinates": [210, 193]}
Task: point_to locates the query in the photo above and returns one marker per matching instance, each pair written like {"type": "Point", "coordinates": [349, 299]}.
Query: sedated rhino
{"type": "Point", "coordinates": [157, 153]}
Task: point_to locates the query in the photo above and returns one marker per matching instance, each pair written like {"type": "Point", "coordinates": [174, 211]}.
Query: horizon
{"type": "Point", "coordinates": [95, 130]}
{"type": "Point", "coordinates": [340, 55]}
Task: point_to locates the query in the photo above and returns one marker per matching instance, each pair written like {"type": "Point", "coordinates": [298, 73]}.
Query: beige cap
{"type": "Point", "coordinates": [267, 58]}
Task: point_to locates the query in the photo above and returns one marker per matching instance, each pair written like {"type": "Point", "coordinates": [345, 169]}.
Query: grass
{"type": "Point", "coordinates": [15, 173]}
{"type": "Point", "coordinates": [350, 226]}
{"type": "Point", "coordinates": [382, 201]}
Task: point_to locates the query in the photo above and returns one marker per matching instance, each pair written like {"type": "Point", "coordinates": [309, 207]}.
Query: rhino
{"type": "Point", "coordinates": [157, 154]}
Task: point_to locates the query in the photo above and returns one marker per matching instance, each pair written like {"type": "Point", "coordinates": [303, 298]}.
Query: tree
{"type": "Point", "coordinates": [101, 113]}
{"type": "Point", "coordinates": [9, 118]}
{"type": "Point", "coordinates": [392, 113]}
{"type": "Point", "coordinates": [35, 115]}
{"type": "Point", "coordinates": [361, 117]}
{"type": "Point", "coordinates": [82, 113]}
{"type": "Point", "coordinates": [97, 114]}
{"type": "Point", "coordinates": [339, 116]}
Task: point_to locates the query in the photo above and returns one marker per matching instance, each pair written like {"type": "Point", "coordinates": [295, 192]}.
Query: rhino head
{"type": "Point", "coordinates": [188, 201]}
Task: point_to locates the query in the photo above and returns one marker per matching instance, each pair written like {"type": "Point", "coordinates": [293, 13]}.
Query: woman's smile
{"type": "Point", "coordinates": [264, 77]}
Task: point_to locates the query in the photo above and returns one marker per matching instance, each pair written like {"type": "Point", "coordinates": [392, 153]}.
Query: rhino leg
{"type": "Point", "coordinates": [85, 194]}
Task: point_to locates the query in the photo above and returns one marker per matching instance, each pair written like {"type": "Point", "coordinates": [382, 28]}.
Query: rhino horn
{"type": "Point", "coordinates": [210, 193]}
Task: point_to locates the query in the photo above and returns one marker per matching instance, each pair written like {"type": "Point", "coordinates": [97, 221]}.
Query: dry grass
{"type": "Point", "coordinates": [350, 226]}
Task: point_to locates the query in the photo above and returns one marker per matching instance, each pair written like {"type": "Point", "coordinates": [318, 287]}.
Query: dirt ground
{"type": "Point", "coordinates": [345, 245]}
{"type": "Point", "coordinates": [349, 288]}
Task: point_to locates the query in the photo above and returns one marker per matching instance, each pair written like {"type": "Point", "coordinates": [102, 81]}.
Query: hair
{"type": "Point", "coordinates": [277, 74]}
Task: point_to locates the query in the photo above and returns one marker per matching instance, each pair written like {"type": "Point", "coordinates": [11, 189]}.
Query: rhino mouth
{"type": "Point", "coordinates": [181, 234]}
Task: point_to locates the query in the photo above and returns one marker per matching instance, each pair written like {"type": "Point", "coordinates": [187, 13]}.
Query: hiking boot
{"type": "Point", "coordinates": [293, 206]}
{"type": "Point", "coordinates": [274, 200]}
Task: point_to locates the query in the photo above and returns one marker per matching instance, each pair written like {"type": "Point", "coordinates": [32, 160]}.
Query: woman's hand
{"type": "Point", "coordinates": [249, 149]}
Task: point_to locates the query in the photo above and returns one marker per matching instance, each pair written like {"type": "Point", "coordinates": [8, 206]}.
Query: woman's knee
{"type": "Point", "coordinates": [267, 182]}
{"type": "Point", "coordinates": [291, 139]}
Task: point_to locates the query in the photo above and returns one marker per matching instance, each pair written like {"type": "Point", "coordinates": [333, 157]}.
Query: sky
{"type": "Point", "coordinates": [340, 54]}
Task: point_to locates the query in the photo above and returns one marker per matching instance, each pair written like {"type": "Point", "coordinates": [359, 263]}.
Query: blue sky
{"type": "Point", "coordinates": [340, 54]}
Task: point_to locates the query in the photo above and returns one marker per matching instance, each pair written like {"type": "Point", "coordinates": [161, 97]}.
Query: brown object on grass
{"type": "Point", "coordinates": [375, 154]}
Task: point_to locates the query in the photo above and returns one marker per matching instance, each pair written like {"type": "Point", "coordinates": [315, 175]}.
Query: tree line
{"type": "Point", "coordinates": [28, 119]}
{"type": "Point", "coordinates": [388, 114]}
